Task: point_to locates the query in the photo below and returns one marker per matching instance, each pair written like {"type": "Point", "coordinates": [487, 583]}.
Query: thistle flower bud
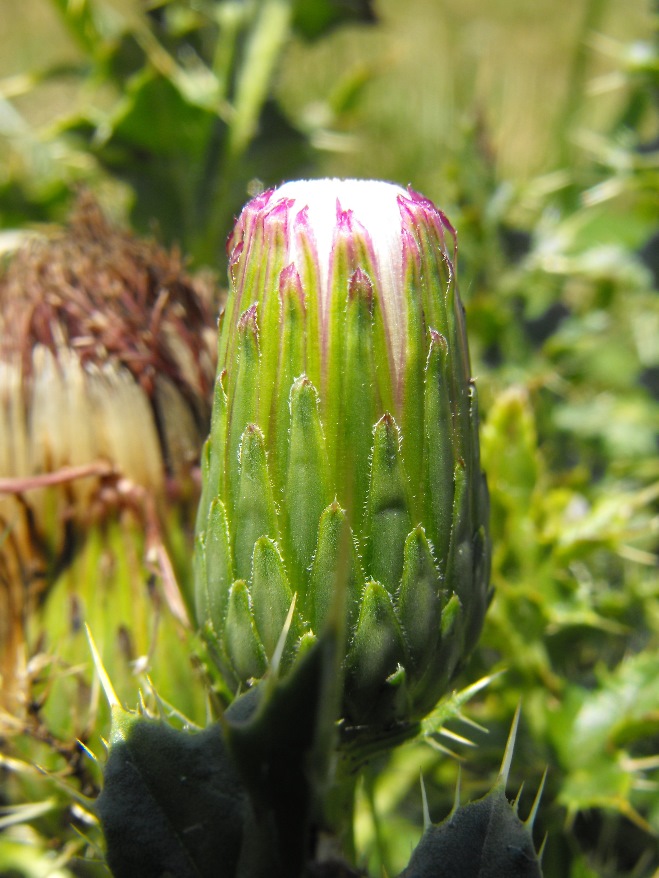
{"type": "Point", "coordinates": [344, 436]}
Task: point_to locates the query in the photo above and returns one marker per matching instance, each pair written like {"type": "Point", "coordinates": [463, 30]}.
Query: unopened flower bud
{"type": "Point", "coordinates": [345, 439]}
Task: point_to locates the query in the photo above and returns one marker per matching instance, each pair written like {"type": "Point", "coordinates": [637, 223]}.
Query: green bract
{"type": "Point", "coordinates": [344, 448]}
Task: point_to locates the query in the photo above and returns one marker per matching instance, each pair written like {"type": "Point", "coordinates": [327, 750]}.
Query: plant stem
{"type": "Point", "coordinates": [339, 810]}
{"type": "Point", "coordinates": [267, 37]}
{"type": "Point", "coordinates": [262, 52]}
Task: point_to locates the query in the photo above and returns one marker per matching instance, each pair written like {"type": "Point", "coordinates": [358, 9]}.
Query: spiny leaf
{"type": "Point", "coordinates": [172, 801]}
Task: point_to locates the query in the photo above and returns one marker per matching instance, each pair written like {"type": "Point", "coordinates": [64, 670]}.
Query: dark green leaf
{"type": "Point", "coordinates": [172, 802]}
{"type": "Point", "coordinates": [484, 839]}
{"type": "Point", "coordinates": [313, 18]}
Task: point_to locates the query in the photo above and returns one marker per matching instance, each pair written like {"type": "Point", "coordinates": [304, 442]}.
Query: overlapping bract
{"type": "Point", "coordinates": [344, 447]}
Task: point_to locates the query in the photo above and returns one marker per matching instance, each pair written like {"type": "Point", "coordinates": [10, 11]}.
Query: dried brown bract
{"type": "Point", "coordinates": [107, 361]}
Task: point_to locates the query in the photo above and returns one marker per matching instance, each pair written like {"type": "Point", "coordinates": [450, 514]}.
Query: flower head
{"type": "Point", "coordinates": [344, 406]}
{"type": "Point", "coordinates": [106, 375]}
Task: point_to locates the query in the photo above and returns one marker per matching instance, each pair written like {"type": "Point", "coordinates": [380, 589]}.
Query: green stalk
{"type": "Point", "coordinates": [263, 49]}
{"type": "Point", "coordinates": [339, 809]}
{"type": "Point", "coordinates": [269, 33]}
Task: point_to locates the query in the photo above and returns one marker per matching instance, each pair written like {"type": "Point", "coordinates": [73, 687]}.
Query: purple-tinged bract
{"type": "Point", "coordinates": [344, 446]}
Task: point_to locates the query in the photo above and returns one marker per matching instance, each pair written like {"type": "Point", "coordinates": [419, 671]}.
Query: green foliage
{"type": "Point", "coordinates": [240, 798]}
{"type": "Point", "coordinates": [484, 839]}
{"type": "Point", "coordinates": [172, 800]}
{"type": "Point", "coordinates": [175, 103]}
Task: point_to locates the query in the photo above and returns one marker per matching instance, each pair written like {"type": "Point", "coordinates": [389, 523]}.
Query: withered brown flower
{"type": "Point", "coordinates": [107, 361]}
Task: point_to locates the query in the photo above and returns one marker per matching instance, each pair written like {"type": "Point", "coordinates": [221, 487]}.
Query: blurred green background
{"type": "Point", "coordinates": [535, 127]}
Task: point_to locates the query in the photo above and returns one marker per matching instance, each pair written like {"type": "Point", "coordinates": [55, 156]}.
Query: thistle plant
{"type": "Point", "coordinates": [106, 370]}
{"type": "Point", "coordinates": [341, 474]}
{"type": "Point", "coordinates": [482, 839]}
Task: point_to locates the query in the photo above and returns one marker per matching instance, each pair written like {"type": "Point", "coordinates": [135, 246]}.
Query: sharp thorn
{"type": "Point", "coordinates": [456, 795]}
{"type": "Point", "coordinates": [86, 750]}
{"type": "Point", "coordinates": [108, 688]}
{"type": "Point", "coordinates": [536, 803]}
{"type": "Point", "coordinates": [510, 747]}
{"type": "Point", "coordinates": [427, 822]}
{"type": "Point", "coordinates": [441, 749]}
{"type": "Point", "coordinates": [281, 643]}
{"type": "Point", "coordinates": [453, 736]}
{"type": "Point", "coordinates": [517, 798]}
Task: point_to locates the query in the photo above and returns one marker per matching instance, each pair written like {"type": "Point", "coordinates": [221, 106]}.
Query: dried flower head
{"type": "Point", "coordinates": [106, 371]}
